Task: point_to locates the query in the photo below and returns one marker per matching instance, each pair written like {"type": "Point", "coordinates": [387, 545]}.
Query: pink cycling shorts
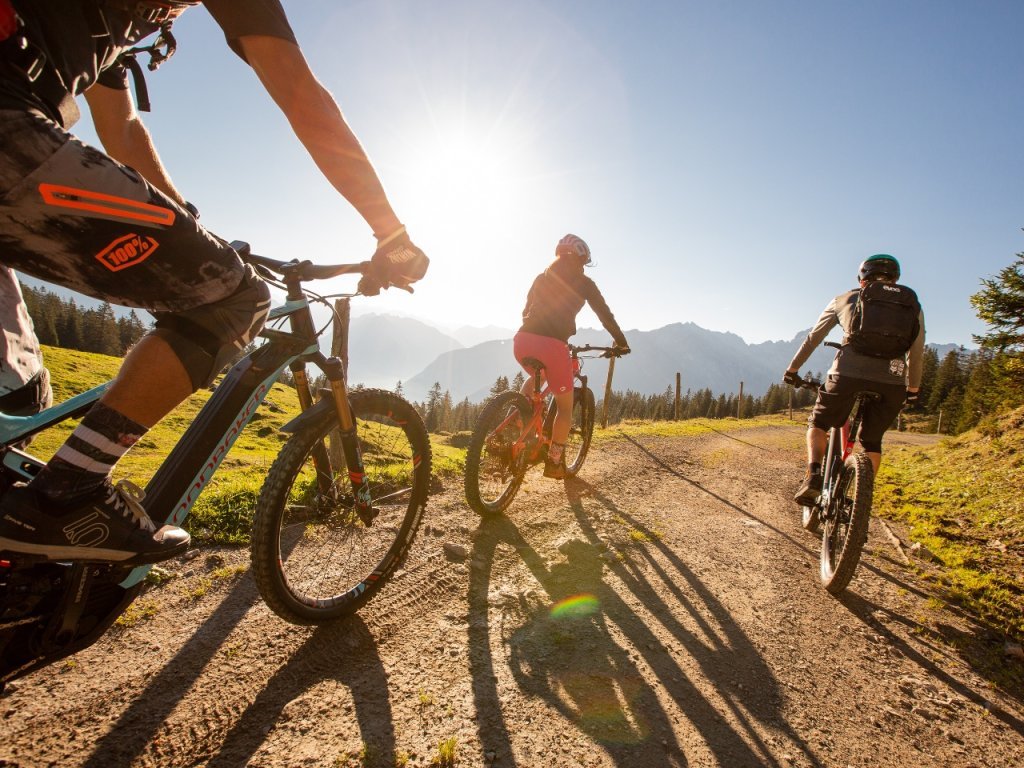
{"type": "Point", "coordinates": [553, 353]}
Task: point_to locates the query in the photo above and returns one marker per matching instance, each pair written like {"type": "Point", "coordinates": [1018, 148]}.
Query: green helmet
{"type": "Point", "coordinates": [881, 266]}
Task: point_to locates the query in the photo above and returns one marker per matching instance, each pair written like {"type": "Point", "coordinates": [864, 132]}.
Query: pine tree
{"type": "Point", "coordinates": [929, 368]}
{"type": "Point", "coordinates": [500, 385]}
{"type": "Point", "coordinates": [432, 408]}
{"type": "Point", "coordinates": [948, 377]}
{"type": "Point", "coordinates": [979, 397]}
{"type": "Point", "coordinates": [1000, 304]}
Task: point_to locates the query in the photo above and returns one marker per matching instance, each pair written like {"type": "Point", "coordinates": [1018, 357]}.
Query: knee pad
{"type": "Point", "coordinates": [205, 338]}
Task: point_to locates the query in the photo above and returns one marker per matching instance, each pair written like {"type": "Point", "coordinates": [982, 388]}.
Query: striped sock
{"type": "Point", "coordinates": [87, 458]}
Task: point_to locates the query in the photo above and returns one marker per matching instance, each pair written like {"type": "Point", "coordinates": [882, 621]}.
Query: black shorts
{"type": "Point", "coordinates": [73, 216]}
{"type": "Point", "coordinates": [835, 401]}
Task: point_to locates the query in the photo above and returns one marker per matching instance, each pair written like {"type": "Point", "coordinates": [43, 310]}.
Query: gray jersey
{"type": "Point", "coordinates": [848, 362]}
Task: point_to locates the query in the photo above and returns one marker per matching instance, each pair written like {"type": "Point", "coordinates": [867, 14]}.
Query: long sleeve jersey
{"type": "Point", "coordinates": [557, 296]}
{"type": "Point", "coordinates": [850, 363]}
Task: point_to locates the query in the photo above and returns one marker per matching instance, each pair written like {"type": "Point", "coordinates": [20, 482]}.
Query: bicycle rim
{"type": "Point", "coordinates": [317, 555]}
{"type": "Point", "coordinates": [581, 430]}
{"type": "Point", "coordinates": [493, 472]}
{"type": "Point", "coordinates": [846, 527]}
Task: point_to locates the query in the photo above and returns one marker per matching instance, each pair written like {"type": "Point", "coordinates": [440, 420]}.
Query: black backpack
{"type": "Point", "coordinates": [885, 320]}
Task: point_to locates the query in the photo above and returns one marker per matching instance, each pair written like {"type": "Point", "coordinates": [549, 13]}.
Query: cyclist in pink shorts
{"type": "Point", "coordinates": [549, 319]}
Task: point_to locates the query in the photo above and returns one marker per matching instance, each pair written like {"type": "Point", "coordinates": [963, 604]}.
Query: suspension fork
{"type": "Point", "coordinates": [335, 371]}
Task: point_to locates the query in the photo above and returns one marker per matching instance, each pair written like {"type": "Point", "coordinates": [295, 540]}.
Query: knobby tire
{"type": "Point", "coordinates": [493, 477]}
{"type": "Point", "coordinates": [846, 530]}
{"type": "Point", "coordinates": [314, 557]}
{"type": "Point", "coordinates": [581, 430]}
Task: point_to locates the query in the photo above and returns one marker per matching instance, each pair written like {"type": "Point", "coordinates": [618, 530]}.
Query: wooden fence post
{"type": "Point", "coordinates": [739, 403]}
{"type": "Point", "coordinates": [607, 392]}
{"type": "Point", "coordinates": [675, 409]}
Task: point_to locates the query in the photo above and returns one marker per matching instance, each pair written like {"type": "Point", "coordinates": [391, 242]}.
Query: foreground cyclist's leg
{"type": "Point", "coordinates": [117, 238]}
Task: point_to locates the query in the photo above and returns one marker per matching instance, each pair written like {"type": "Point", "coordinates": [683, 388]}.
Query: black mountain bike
{"type": "Point", "coordinates": [337, 513]}
{"type": "Point", "coordinates": [843, 510]}
{"type": "Point", "coordinates": [513, 432]}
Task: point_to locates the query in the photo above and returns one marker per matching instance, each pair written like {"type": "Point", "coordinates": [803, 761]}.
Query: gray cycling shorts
{"type": "Point", "coordinates": [71, 215]}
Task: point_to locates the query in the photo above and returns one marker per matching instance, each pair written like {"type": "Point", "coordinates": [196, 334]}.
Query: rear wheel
{"type": "Point", "coordinates": [581, 430]}
{"type": "Point", "coordinates": [846, 527]}
{"type": "Point", "coordinates": [493, 474]}
{"type": "Point", "coordinates": [316, 554]}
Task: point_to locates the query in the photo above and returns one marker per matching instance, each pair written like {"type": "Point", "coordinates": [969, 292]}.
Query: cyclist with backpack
{"type": "Point", "coordinates": [881, 351]}
{"type": "Point", "coordinates": [549, 319]}
{"type": "Point", "coordinates": [114, 226]}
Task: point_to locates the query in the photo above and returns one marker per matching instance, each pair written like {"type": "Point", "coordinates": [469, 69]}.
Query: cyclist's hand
{"type": "Point", "coordinates": [397, 262]}
{"type": "Point", "coordinates": [792, 378]}
{"type": "Point", "coordinates": [622, 350]}
{"type": "Point", "coordinates": [913, 397]}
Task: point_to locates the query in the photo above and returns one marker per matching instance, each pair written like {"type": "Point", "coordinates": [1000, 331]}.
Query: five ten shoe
{"type": "Point", "coordinates": [109, 525]}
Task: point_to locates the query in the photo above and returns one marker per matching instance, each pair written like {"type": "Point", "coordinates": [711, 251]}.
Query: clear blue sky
{"type": "Point", "coordinates": [730, 163]}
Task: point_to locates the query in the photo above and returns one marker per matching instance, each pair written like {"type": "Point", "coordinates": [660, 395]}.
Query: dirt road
{"type": "Point", "coordinates": [661, 610]}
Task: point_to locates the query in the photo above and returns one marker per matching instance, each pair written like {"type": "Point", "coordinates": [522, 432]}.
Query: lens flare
{"type": "Point", "coordinates": [575, 607]}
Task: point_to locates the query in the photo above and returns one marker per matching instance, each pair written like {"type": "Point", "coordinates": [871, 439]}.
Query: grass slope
{"type": "Point", "coordinates": [224, 511]}
{"type": "Point", "coordinates": [962, 501]}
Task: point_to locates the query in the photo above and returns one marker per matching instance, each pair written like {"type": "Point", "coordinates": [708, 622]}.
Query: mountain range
{"type": "Point", "coordinates": [386, 349]}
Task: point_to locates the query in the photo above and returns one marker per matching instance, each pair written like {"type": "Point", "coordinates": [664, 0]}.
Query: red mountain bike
{"type": "Point", "coordinates": [514, 432]}
{"type": "Point", "coordinates": [843, 510]}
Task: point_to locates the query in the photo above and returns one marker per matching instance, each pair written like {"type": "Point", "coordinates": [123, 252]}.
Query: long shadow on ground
{"type": "Point", "coordinates": [569, 656]}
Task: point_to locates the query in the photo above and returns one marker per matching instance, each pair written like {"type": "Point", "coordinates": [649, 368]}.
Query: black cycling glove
{"type": "Point", "coordinates": [396, 262]}
{"type": "Point", "coordinates": [792, 378]}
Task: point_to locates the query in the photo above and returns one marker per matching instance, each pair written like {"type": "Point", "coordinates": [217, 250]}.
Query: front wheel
{"type": "Point", "coordinates": [317, 555]}
{"type": "Point", "coordinates": [581, 430]}
{"type": "Point", "coordinates": [846, 525]}
{"type": "Point", "coordinates": [496, 459]}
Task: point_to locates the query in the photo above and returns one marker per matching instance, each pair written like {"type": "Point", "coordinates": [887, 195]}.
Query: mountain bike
{"type": "Point", "coordinates": [513, 433]}
{"type": "Point", "coordinates": [843, 510]}
{"type": "Point", "coordinates": [335, 517]}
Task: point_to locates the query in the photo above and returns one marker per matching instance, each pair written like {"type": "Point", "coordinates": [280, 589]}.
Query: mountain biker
{"type": "Point", "coordinates": [549, 319]}
{"type": "Point", "coordinates": [896, 380]}
{"type": "Point", "coordinates": [113, 225]}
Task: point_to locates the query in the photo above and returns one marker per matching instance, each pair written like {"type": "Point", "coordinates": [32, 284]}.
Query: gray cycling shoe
{"type": "Point", "coordinates": [809, 492]}
{"type": "Point", "coordinates": [109, 525]}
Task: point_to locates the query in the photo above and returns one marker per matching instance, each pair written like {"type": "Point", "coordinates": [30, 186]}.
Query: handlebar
{"type": "Point", "coordinates": [575, 350]}
{"type": "Point", "coordinates": [808, 383]}
{"type": "Point", "coordinates": [301, 270]}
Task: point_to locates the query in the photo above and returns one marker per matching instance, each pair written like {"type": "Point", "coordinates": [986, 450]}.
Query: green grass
{"type": "Point", "coordinates": [962, 501]}
{"type": "Point", "coordinates": [685, 427]}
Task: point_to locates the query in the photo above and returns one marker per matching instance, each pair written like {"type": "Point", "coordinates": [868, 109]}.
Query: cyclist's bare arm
{"type": "Point", "coordinates": [319, 124]}
{"type": "Point", "coordinates": [125, 137]}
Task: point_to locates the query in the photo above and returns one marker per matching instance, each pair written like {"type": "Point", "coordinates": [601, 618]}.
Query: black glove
{"type": "Point", "coordinates": [621, 350]}
{"type": "Point", "coordinates": [792, 378]}
{"type": "Point", "coordinates": [913, 397]}
{"type": "Point", "coordinates": [396, 262]}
